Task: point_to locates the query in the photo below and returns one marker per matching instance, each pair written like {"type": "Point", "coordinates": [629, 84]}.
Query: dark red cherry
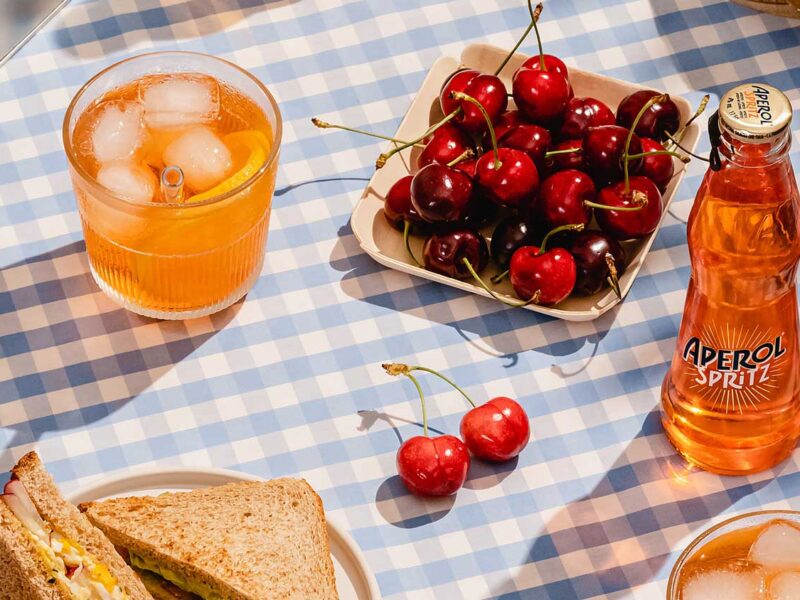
{"type": "Point", "coordinates": [497, 430]}
{"type": "Point", "coordinates": [482, 212]}
{"type": "Point", "coordinates": [630, 224]}
{"type": "Point", "coordinates": [433, 466]}
{"type": "Point", "coordinates": [534, 140]}
{"type": "Point", "coordinates": [550, 275]}
{"type": "Point", "coordinates": [457, 82]}
{"type": "Point", "coordinates": [658, 120]}
{"type": "Point", "coordinates": [397, 206]}
{"type": "Point", "coordinates": [569, 160]}
{"type": "Point", "coordinates": [445, 145]}
{"type": "Point", "coordinates": [513, 184]}
{"type": "Point", "coordinates": [551, 63]}
{"type": "Point", "coordinates": [510, 234]}
{"type": "Point", "coordinates": [604, 149]}
{"type": "Point", "coordinates": [660, 168]}
{"type": "Point", "coordinates": [444, 253]}
{"type": "Point", "coordinates": [582, 113]}
{"type": "Point", "coordinates": [490, 91]}
{"type": "Point", "coordinates": [541, 96]}
{"type": "Point", "coordinates": [467, 166]}
{"type": "Point", "coordinates": [508, 120]}
{"type": "Point", "coordinates": [595, 254]}
{"type": "Point", "coordinates": [563, 196]}
{"type": "Point", "coordinates": [441, 194]}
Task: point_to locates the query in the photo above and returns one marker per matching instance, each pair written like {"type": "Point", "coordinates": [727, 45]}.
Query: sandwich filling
{"type": "Point", "coordinates": [193, 589]}
{"type": "Point", "coordinates": [84, 576]}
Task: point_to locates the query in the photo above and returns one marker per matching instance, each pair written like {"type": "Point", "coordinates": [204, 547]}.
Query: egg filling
{"type": "Point", "coordinates": [84, 576]}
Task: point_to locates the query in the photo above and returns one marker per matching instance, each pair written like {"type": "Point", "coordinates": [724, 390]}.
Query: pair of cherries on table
{"type": "Point", "coordinates": [496, 431]}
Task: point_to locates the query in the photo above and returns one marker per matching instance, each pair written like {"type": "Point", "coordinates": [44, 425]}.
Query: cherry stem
{"type": "Point", "coordinates": [639, 200]}
{"type": "Point", "coordinates": [462, 96]}
{"type": "Point", "coordinates": [682, 131]}
{"type": "Point", "coordinates": [499, 277]}
{"type": "Point", "coordinates": [613, 275]}
{"type": "Point", "coordinates": [534, 299]}
{"type": "Point", "coordinates": [683, 159]}
{"type": "Point", "coordinates": [534, 17]}
{"type": "Point", "coordinates": [447, 379]}
{"type": "Point", "coordinates": [570, 227]}
{"type": "Point", "coordinates": [325, 125]}
{"type": "Point", "coordinates": [644, 109]}
{"type": "Point", "coordinates": [466, 154]}
{"type": "Point", "coordinates": [406, 229]}
{"type": "Point", "coordinates": [564, 151]}
{"type": "Point", "coordinates": [395, 369]}
{"type": "Point", "coordinates": [387, 155]}
{"type": "Point", "coordinates": [689, 152]}
{"type": "Point", "coordinates": [422, 402]}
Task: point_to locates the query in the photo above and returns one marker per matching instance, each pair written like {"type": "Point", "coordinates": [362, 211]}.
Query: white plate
{"type": "Point", "coordinates": [353, 578]}
{"type": "Point", "coordinates": [385, 244]}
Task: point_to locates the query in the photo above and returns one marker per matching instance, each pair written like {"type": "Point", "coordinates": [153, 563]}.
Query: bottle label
{"type": "Point", "coordinates": [735, 375]}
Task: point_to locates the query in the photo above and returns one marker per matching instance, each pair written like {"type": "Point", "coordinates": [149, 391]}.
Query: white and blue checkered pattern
{"type": "Point", "coordinates": [288, 381]}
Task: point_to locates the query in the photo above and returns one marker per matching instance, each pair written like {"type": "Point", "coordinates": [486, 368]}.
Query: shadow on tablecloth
{"type": "Point", "coordinates": [741, 51]}
{"type": "Point", "coordinates": [494, 329]}
{"type": "Point", "coordinates": [621, 534]}
{"type": "Point", "coordinates": [98, 28]}
{"type": "Point", "coordinates": [73, 357]}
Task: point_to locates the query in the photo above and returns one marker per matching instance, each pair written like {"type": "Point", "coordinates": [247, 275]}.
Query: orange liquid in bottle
{"type": "Point", "coordinates": [731, 399]}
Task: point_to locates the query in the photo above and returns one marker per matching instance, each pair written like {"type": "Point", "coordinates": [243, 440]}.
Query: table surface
{"type": "Point", "coordinates": [288, 382]}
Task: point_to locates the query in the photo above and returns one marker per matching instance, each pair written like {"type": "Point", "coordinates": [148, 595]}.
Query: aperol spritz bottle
{"type": "Point", "coordinates": [731, 400]}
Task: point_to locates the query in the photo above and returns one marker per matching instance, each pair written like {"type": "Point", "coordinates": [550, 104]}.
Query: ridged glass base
{"type": "Point", "coordinates": [172, 315]}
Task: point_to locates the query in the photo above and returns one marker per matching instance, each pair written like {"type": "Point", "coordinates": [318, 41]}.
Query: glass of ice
{"type": "Point", "coordinates": [755, 556]}
{"type": "Point", "coordinates": [173, 157]}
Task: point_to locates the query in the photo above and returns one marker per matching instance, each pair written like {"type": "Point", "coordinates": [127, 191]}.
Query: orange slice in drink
{"type": "Point", "coordinates": [249, 149]}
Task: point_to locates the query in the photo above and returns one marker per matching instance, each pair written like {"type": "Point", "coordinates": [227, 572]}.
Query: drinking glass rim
{"type": "Point", "coordinates": [701, 537]}
{"type": "Point", "coordinates": [92, 182]}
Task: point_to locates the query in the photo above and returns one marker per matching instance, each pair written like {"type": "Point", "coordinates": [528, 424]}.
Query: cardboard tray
{"type": "Point", "coordinates": [385, 244]}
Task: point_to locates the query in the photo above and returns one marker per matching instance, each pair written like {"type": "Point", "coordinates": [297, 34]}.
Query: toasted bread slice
{"type": "Point", "coordinates": [68, 520]}
{"type": "Point", "coordinates": [24, 575]}
{"type": "Point", "coordinates": [242, 541]}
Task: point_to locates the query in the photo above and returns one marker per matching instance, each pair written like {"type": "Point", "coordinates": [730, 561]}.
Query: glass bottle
{"type": "Point", "coordinates": [731, 400]}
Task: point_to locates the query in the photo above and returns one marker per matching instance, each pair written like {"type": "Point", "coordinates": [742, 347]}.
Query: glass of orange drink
{"type": "Point", "coordinates": [173, 157]}
{"type": "Point", "coordinates": [754, 556]}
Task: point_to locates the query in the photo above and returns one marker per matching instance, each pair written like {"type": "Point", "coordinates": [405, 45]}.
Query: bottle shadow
{"type": "Point", "coordinates": [739, 42]}
{"type": "Point", "coordinates": [626, 527]}
{"type": "Point", "coordinates": [69, 356]}
{"type": "Point", "coordinates": [95, 29]}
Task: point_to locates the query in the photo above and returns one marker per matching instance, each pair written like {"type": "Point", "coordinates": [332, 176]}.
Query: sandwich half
{"type": "Point", "coordinates": [240, 541]}
{"type": "Point", "coordinates": [50, 551]}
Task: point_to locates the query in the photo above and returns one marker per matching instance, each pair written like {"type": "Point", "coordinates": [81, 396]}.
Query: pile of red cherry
{"type": "Point", "coordinates": [496, 431]}
{"type": "Point", "coordinates": [543, 172]}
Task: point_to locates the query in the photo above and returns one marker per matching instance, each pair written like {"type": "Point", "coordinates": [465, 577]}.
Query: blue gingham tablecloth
{"type": "Point", "coordinates": [288, 382]}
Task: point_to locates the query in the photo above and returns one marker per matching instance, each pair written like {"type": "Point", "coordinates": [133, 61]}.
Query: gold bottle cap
{"type": "Point", "coordinates": [754, 111]}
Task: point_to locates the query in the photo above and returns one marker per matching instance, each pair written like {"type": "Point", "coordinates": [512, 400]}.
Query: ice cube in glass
{"type": "Point", "coordinates": [118, 131]}
{"type": "Point", "coordinates": [725, 580]}
{"type": "Point", "coordinates": [785, 586]}
{"type": "Point", "coordinates": [202, 156]}
{"type": "Point", "coordinates": [777, 546]}
{"type": "Point", "coordinates": [180, 101]}
{"type": "Point", "coordinates": [129, 180]}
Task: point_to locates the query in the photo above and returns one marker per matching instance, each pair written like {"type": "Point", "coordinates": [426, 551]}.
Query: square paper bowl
{"type": "Point", "coordinates": [385, 244]}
